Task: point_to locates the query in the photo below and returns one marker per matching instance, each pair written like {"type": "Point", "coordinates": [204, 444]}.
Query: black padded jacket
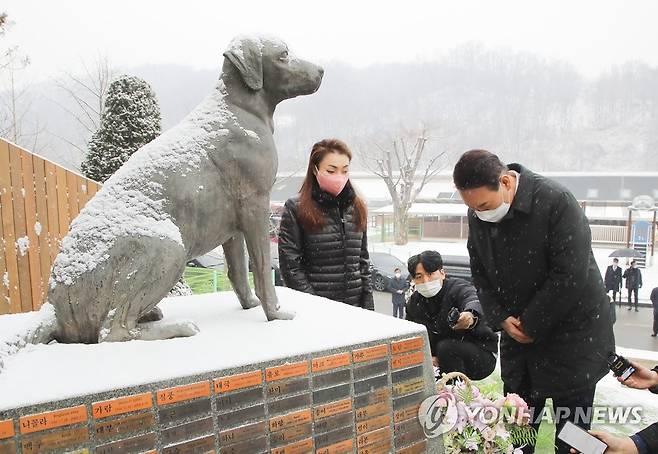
{"type": "Point", "coordinates": [333, 262]}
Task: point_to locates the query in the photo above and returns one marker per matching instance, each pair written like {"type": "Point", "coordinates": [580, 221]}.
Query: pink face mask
{"type": "Point", "coordinates": [332, 183]}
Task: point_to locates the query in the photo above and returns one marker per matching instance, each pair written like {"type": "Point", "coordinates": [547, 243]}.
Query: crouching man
{"type": "Point", "coordinates": [460, 339]}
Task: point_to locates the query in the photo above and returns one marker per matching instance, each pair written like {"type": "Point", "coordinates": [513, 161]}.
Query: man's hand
{"type": "Point", "coordinates": [513, 327]}
{"type": "Point", "coordinates": [465, 321]}
{"type": "Point", "coordinates": [400, 291]}
{"type": "Point", "coordinates": [642, 378]}
{"type": "Point", "coordinates": [616, 445]}
{"type": "Point", "coordinates": [435, 361]}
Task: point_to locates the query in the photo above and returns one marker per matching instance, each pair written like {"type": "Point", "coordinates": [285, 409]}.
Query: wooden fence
{"type": "Point", "coordinates": [38, 201]}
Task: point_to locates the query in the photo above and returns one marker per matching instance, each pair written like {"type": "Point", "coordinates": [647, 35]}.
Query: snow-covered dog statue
{"type": "Point", "coordinates": [203, 183]}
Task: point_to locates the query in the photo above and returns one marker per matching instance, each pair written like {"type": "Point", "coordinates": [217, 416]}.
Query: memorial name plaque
{"type": "Point", "coordinates": [238, 417]}
{"type": "Point", "coordinates": [141, 443]}
{"type": "Point", "coordinates": [406, 374]}
{"type": "Point", "coordinates": [374, 397]}
{"type": "Point", "coordinates": [406, 413]}
{"type": "Point", "coordinates": [409, 359]}
{"type": "Point", "coordinates": [243, 433]}
{"type": "Point", "coordinates": [256, 446]}
{"type": "Point", "coordinates": [372, 410]}
{"type": "Point", "coordinates": [291, 434]}
{"type": "Point", "coordinates": [406, 345]}
{"type": "Point", "coordinates": [330, 394]}
{"type": "Point", "coordinates": [181, 393]}
{"type": "Point", "coordinates": [290, 387]}
{"type": "Point", "coordinates": [187, 431]}
{"type": "Point", "coordinates": [295, 448]}
{"type": "Point", "coordinates": [378, 368]}
{"type": "Point", "coordinates": [240, 381]}
{"type": "Point", "coordinates": [171, 414]}
{"type": "Point", "coordinates": [53, 419]}
{"type": "Point", "coordinates": [369, 353]}
{"type": "Point", "coordinates": [205, 444]}
{"type": "Point", "coordinates": [418, 448]}
{"type": "Point", "coordinates": [121, 405]}
{"type": "Point", "coordinates": [289, 403]}
{"type": "Point", "coordinates": [292, 419]}
{"type": "Point", "coordinates": [8, 448]}
{"type": "Point", "coordinates": [330, 362]}
{"type": "Point", "coordinates": [333, 422]}
{"type": "Point", "coordinates": [331, 379]}
{"type": "Point", "coordinates": [379, 448]}
{"type": "Point", "coordinates": [408, 432]}
{"type": "Point", "coordinates": [227, 402]}
{"type": "Point", "coordinates": [343, 447]}
{"type": "Point", "coordinates": [334, 437]}
{"type": "Point", "coordinates": [373, 424]}
{"type": "Point", "coordinates": [286, 371]}
{"type": "Point", "coordinates": [332, 409]}
{"type": "Point", "coordinates": [86, 451]}
{"type": "Point", "coordinates": [54, 440]}
{"type": "Point", "coordinates": [370, 384]}
{"type": "Point", "coordinates": [406, 401]}
{"type": "Point", "coordinates": [408, 387]}
{"type": "Point", "coordinates": [124, 425]}
{"type": "Point", "coordinates": [6, 429]}
{"type": "Point", "coordinates": [371, 438]}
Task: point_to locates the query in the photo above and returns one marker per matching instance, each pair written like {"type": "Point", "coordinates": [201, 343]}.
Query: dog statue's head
{"type": "Point", "coordinates": [266, 64]}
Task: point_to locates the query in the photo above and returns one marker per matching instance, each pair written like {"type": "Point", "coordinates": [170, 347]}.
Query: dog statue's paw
{"type": "Point", "coordinates": [167, 330]}
{"type": "Point", "coordinates": [250, 303]}
{"type": "Point", "coordinates": [153, 315]}
{"type": "Point", "coordinates": [280, 315]}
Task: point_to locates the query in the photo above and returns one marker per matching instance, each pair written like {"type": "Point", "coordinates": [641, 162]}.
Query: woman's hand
{"type": "Point", "coordinates": [642, 378]}
{"type": "Point", "coordinates": [616, 445]}
{"type": "Point", "coordinates": [513, 327]}
{"type": "Point", "coordinates": [465, 321]}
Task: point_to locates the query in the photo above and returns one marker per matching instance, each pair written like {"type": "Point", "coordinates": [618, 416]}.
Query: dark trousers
{"type": "Point", "coordinates": [630, 293]}
{"type": "Point", "coordinates": [576, 408]}
{"type": "Point", "coordinates": [465, 357]}
{"type": "Point", "coordinates": [655, 320]}
{"type": "Point", "coordinates": [398, 310]}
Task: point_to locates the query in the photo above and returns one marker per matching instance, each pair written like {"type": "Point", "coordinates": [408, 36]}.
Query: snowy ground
{"type": "Point", "coordinates": [229, 337]}
{"type": "Point", "coordinates": [458, 247]}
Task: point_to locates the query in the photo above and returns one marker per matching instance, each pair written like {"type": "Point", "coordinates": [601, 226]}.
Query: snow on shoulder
{"type": "Point", "coordinates": [132, 201]}
{"type": "Point", "coordinates": [230, 337]}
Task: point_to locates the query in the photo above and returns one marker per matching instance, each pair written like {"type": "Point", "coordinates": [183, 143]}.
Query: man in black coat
{"type": "Point", "coordinates": [633, 278]}
{"type": "Point", "coordinates": [532, 263]}
{"type": "Point", "coordinates": [398, 286]}
{"type": "Point", "coordinates": [612, 280]}
{"type": "Point", "coordinates": [465, 343]}
{"type": "Point", "coordinates": [654, 303]}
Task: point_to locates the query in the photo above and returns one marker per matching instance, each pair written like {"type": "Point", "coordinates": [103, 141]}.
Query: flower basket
{"type": "Point", "coordinates": [479, 423]}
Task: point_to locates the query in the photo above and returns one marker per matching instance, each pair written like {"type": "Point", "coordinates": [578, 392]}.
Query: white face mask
{"type": "Point", "coordinates": [398, 275]}
{"type": "Point", "coordinates": [497, 214]}
{"type": "Point", "coordinates": [430, 289]}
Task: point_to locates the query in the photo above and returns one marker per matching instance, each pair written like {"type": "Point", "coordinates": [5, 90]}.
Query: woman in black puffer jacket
{"type": "Point", "coordinates": [323, 243]}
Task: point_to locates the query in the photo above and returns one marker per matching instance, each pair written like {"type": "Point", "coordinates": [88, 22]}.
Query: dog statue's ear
{"type": "Point", "coordinates": [246, 54]}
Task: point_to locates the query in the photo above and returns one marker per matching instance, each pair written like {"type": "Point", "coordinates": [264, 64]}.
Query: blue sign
{"type": "Point", "coordinates": [641, 232]}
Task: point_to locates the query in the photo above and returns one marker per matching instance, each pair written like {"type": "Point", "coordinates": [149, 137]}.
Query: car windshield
{"type": "Point", "coordinates": [386, 261]}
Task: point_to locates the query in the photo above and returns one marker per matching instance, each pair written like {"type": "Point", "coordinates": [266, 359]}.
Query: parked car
{"type": "Point", "coordinates": [382, 266]}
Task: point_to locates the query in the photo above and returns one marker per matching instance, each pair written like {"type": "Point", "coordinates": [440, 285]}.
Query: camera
{"type": "Point", "coordinates": [620, 366]}
{"type": "Point", "coordinates": [453, 316]}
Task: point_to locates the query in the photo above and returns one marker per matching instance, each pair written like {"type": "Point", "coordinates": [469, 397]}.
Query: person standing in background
{"type": "Point", "coordinates": [612, 280]}
{"type": "Point", "coordinates": [398, 286]}
{"type": "Point", "coordinates": [654, 303]}
{"type": "Point", "coordinates": [633, 278]}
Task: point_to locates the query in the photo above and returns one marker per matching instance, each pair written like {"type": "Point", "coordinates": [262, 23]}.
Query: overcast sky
{"type": "Point", "coordinates": [592, 35]}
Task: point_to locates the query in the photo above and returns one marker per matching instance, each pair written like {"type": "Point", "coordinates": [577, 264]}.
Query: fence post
{"type": "Point", "coordinates": [214, 281]}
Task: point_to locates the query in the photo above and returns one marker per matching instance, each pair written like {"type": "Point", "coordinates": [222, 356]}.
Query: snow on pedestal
{"type": "Point", "coordinates": [380, 363]}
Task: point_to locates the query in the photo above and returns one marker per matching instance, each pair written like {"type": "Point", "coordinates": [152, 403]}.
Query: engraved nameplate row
{"type": "Point", "coordinates": [362, 401]}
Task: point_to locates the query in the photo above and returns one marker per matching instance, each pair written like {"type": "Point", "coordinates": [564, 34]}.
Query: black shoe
{"type": "Point", "coordinates": [653, 335]}
{"type": "Point", "coordinates": [630, 308]}
{"type": "Point", "coordinates": [637, 310]}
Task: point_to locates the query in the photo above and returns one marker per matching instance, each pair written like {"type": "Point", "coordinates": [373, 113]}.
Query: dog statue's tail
{"type": "Point", "coordinates": [19, 330]}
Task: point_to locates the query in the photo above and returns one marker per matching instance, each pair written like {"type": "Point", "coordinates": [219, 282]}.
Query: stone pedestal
{"type": "Point", "coordinates": [337, 379]}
